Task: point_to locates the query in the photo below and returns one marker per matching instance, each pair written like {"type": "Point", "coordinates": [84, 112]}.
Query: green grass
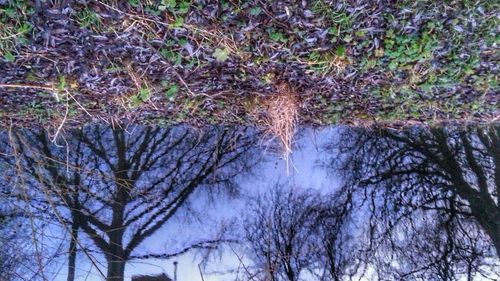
{"type": "Point", "coordinates": [276, 35]}
{"type": "Point", "coordinates": [339, 21]}
{"type": "Point", "coordinates": [404, 60]}
{"type": "Point", "coordinates": [143, 95]}
{"type": "Point", "coordinates": [404, 51]}
{"type": "Point", "coordinates": [15, 29]}
{"type": "Point", "coordinates": [89, 19]}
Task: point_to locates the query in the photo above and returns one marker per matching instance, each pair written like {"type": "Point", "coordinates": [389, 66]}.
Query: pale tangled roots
{"type": "Point", "coordinates": [282, 116]}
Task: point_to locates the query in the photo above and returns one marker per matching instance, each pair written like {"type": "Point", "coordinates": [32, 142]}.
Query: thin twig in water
{"type": "Point", "coordinates": [250, 275]}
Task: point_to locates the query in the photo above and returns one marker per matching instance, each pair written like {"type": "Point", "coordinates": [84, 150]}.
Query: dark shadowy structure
{"type": "Point", "coordinates": [432, 191]}
{"type": "Point", "coordinates": [159, 277]}
{"type": "Point", "coordinates": [118, 188]}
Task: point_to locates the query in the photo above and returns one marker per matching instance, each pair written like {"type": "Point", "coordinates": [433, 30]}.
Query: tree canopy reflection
{"type": "Point", "coordinates": [413, 204]}
{"type": "Point", "coordinates": [120, 187]}
{"type": "Point", "coordinates": [430, 199]}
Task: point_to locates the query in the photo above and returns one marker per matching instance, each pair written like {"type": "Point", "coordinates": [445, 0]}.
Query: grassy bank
{"type": "Point", "coordinates": [200, 62]}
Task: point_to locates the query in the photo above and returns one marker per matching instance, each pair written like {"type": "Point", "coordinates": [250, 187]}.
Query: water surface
{"type": "Point", "coordinates": [368, 204]}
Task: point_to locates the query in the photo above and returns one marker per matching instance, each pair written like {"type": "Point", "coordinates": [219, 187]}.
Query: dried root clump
{"type": "Point", "coordinates": [282, 116]}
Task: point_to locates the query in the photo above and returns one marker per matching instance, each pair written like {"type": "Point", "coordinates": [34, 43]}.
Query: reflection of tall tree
{"type": "Point", "coordinates": [435, 191]}
{"type": "Point", "coordinates": [279, 230]}
{"type": "Point", "coordinates": [119, 188]}
{"type": "Point", "coordinates": [337, 252]}
{"type": "Point", "coordinates": [293, 232]}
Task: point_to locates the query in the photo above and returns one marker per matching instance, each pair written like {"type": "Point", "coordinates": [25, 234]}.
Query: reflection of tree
{"type": "Point", "coordinates": [432, 196]}
{"type": "Point", "coordinates": [337, 252]}
{"type": "Point", "coordinates": [294, 233]}
{"type": "Point", "coordinates": [14, 250]}
{"type": "Point", "coordinates": [279, 231]}
{"type": "Point", "coordinates": [119, 188]}
{"type": "Point", "coordinates": [17, 257]}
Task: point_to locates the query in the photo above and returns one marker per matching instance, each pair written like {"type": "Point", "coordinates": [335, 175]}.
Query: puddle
{"type": "Point", "coordinates": [413, 204]}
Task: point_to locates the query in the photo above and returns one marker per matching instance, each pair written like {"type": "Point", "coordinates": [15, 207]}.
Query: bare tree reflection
{"type": "Point", "coordinates": [279, 230]}
{"type": "Point", "coordinates": [14, 261]}
{"type": "Point", "coordinates": [430, 198]}
{"type": "Point", "coordinates": [120, 187]}
{"type": "Point", "coordinates": [294, 234]}
{"type": "Point", "coordinates": [416, 204]}
{"type": "Point", "coordinates": [338, 252]}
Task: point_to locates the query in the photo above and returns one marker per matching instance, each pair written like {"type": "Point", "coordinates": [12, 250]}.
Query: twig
{"type": "Point", "coordinates": [78, 103]}
{"type": "Point", "coordinates": [63, 121]}
{"type": "Point", "coordinates": [25, 86]}
{"type": "Point", "coordinates": [201, 272]}
{"type": "Point", "coordinates": [250, 275]}
{"type": "Point", "coordinates": [210, 244]}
